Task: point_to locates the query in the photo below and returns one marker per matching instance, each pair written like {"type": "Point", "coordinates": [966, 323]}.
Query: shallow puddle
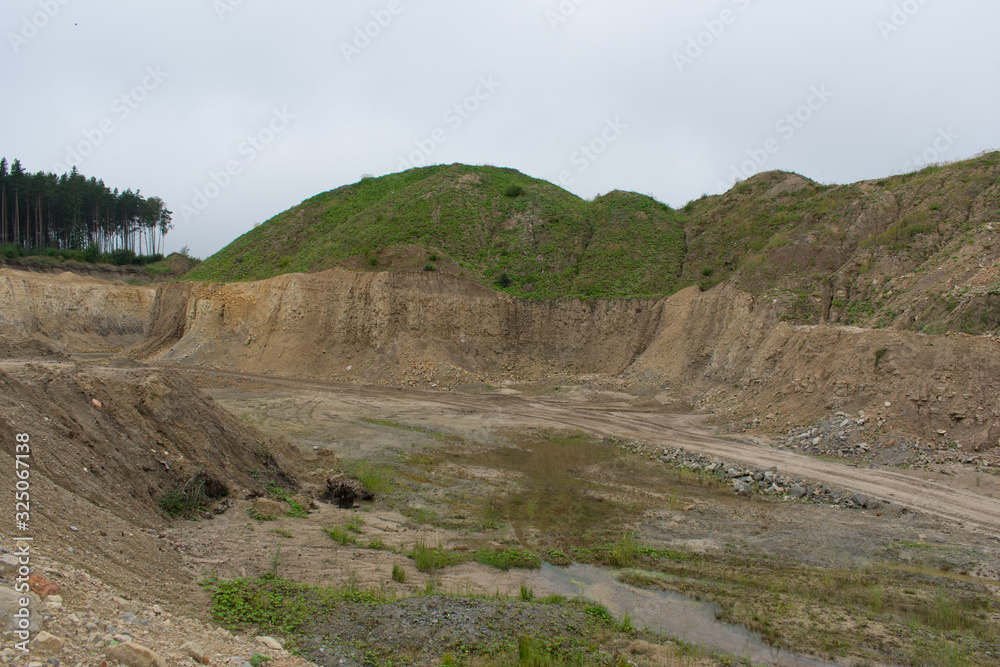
{"type": "Point", "coordinates": [555, 498]}
{"type": "Point", "coordinates": [663, 611]}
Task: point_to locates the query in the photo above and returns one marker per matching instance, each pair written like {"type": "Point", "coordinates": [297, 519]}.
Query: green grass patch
{"type": "Point", "coordinates": [340, 535]}
{"type": "Point", "coordinates": [295, 508]}
{"type": "Point", "coordinates": [353, 524]}
{"type": "Point", "coordinates": [376, 478]}
{"type": "Point", "coordinates": [430, 559]}
{"type": "Point", "coordinates": [508, 559]}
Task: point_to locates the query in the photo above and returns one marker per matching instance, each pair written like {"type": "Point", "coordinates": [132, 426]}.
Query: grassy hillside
{"type": "Point", "coordinates": [912, 251]}
{"type": "Point", "coordinates": [523, 235]}
{"type": "Point", "coordinates": [916, 251]}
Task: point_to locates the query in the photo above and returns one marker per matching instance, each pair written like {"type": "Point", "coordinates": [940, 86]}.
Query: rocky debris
{"type": "Point", "coordinates": [747, 481]}
{"type": "Point", "coordinates": [423, 628]}
{"type": "Point", "coordinates": [92, 620]}
{"type": "Point", "coordinates": [222, 507]}
{"type": "Point", "coordinates": [345, 491]}
{"type": "Point", "coordinates": [862, 439]}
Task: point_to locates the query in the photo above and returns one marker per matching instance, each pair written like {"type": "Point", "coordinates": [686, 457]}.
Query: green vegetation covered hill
{"type": "Point", "coordinates": [521, 234]}
{"type": "Point", "coordinates": [913, 251]}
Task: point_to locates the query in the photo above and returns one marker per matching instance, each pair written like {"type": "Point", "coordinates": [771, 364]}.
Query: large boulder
{"type": "Point", "coordinates": [10, 605]}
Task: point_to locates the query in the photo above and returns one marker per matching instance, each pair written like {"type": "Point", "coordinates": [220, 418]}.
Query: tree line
{"type": "Point", "coordinates": [70, 211]}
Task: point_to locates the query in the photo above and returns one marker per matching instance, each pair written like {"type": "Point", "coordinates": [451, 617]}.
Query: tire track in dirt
{"type": "Point", "coordinates": [675, 430]}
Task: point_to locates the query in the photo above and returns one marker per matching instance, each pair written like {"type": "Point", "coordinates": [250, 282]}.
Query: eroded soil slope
{"type": "Point", "coordinates": [79, 313]}
{"type": "Point", "coordinates": [107, 445]}
{"type": "Point", "coordinates": [725, 348]}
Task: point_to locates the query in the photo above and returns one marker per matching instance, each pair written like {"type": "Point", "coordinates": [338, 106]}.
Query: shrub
{"type": "Point", "coordinates": [398, 573]}
{"type": "Point", "coordinates": [514, 191]}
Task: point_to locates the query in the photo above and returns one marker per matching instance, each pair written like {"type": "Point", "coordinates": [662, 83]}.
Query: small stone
{"type": "Point", "coordinates": [128, 617]}
{"type": "Point", "coordinates": [797, 492]}
{"type": "Point", "coordinates": [270, 642]}
{"type": "Point", "coordinates": [859, 500]}
{"type": "Point", "coordinates": [47, 643]}
{"type": "Point", "coordinates": [41, 586]}
{"type": "Point", "coordinates": [226, 634]}
{"type": "Point", "coordinates": [135, 655]}
{"type": "Point", "coordinates": [125, 605]}
{"type": "Point", "coordinates": [195, 651]}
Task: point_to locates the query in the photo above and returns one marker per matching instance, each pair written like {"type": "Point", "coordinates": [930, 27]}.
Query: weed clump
{"type": "Point", "coordinates": [340, 535]}
{"type": "Point", "coordinates": [624, 552]}
{"type": "Point", "coordinates": [193, 497]}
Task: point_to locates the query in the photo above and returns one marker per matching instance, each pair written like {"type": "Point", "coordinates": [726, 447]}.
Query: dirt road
{"type": "Point", "coordinates": [973, 510]}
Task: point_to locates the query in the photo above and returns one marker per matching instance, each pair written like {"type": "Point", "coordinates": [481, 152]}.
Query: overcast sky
{"type": "Point", "coordinates": [235, 110]}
